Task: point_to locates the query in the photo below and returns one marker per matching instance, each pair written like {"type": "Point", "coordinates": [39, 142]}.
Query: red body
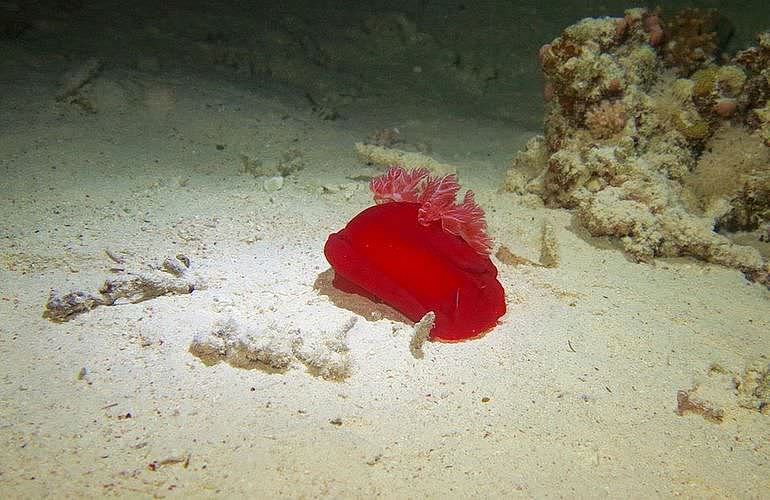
{"type": "Point", "coordinates": [415, 269]}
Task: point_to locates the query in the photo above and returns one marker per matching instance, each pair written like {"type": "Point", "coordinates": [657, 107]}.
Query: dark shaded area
{"type": "Point", "coordinates": [471, 58]}
{"type": "Point", "coordinates": [345, 295]}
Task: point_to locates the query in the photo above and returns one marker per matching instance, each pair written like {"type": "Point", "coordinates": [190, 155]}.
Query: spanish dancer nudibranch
{"type": "Point", "coordinates": [417, 250]}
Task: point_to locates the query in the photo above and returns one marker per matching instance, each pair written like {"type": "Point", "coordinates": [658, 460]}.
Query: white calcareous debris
{"type": "Point", "coordinates": [244, 346]}
{"type": "Point", "coordinates": [273, 184]}
{"type": "Point", "coordinates": [385, 157]}
{"type": "Point", "coordinates": [325, 353]}
{"type": "Point", "coordinates": [172, 278]}
{"type": "Point", "coordinates": [549, 247]}
{"type": "Point", "coordinates": [421, 333]}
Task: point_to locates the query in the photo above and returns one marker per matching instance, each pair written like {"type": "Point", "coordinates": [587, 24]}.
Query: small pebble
{"type": "Point", "coordinates": [273, 184]}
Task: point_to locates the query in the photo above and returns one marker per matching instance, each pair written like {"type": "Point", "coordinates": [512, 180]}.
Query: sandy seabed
{"type": "Point", "coordinates": [573, 394]}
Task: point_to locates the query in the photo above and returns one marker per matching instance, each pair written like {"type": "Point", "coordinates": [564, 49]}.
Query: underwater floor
{"type": "Point", "coordinates": [201, 200]}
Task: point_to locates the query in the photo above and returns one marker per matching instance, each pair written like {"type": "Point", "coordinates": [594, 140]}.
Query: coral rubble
{"type": "Point", "coordinates": [385, 157]}
{"type": "Point", "coordinates": [654, 137]}
{"type": "Point", "coordinates": [274, 348]}
{"type": "Point", "coordinates": [171, 278]}
{"type": "Point", "coordinates": [722, 392]}
{"type": "Point", "coordinates": [421, 334]}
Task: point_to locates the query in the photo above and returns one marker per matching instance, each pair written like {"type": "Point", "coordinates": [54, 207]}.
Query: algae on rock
{"type": "Point", "coordinates": [640, 138]}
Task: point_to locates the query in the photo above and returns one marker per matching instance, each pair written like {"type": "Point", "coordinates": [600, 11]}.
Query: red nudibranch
{"type": "Point", "coordinates": [419, 251]}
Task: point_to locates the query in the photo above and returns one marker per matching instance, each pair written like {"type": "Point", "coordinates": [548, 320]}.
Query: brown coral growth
{"type": "Point", "coordinates": [731, 179]}
{"type": "Point", "coordinates": [606, 119]}
{"type": "Point", "coordinates": [623, 133]}
{"type": "Point", "coordinates": [695, 39]}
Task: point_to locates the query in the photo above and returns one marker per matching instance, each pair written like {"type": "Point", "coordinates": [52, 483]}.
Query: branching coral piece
{"type": "Point", "coordinates": [126, 288]}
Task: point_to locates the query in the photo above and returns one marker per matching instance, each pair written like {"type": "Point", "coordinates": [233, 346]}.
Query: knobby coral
{"type": "Point", "coordinates": [633, 104]}
{"type": "Point", "coordinates": [606, 119]}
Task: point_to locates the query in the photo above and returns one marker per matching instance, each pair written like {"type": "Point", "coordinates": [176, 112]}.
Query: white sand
{"type": "Point", "coordinates": [574, 394]}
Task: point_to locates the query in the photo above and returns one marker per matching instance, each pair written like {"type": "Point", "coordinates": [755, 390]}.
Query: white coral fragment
{"type": "Point", "coordinates": [421, 334]}
{"type": "Point", "coordinates": [244, 346]}
{"type": "Point", "coordinates": [275, 348]}
{"type": "Point", "coordinates": [328, 355]}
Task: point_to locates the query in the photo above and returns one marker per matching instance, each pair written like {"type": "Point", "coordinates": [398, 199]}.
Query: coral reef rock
{"type": "Point", "coordinates": [655, 137]}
